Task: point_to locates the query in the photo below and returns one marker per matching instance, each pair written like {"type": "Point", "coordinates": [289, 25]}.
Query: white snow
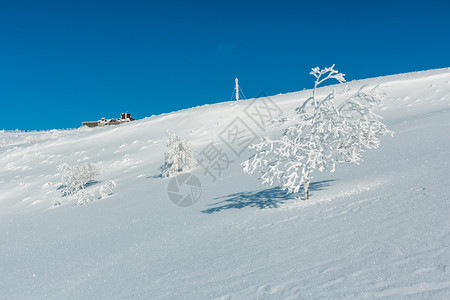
{"type": "Point", "coordinates": [377, 230]}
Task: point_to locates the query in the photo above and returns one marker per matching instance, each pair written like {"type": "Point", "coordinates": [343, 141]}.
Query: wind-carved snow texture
{"type": "Point", "coordinates": [324, 135]}
{"type": "Point", "coordinates": [376, 230]}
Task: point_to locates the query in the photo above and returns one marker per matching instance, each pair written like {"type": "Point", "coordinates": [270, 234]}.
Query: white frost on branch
{"type": "Point", "coordinates": [179, 158]}
{"type": "Point", "coordinates": [30, 139]}
{"type": "Point", "coordinates": [108, 189]}
{"type": "Point", "coordinates": [74, 179]}
{"type": "Point", "coordinates": [323, 135]}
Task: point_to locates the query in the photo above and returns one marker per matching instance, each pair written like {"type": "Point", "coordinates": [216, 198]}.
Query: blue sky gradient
{"type": "Point", "coordinates": [64, 62]}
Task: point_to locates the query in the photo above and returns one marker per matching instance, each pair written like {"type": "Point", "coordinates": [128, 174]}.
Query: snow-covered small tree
{"type": "Point", "coordinates": [108, 189]}
{"type": "Point", "coordinates": [179, 158]}
{"type": "Point", "coordinates": [322, 136]}
{"type": "Point", "coordinates": [56, 201]}
{"type": "Point", "coordinates": [30, 139]}
{"type": "Point", "coordinates": [84, 197]}
{"type": "Point", "coordinates": [74, 179]}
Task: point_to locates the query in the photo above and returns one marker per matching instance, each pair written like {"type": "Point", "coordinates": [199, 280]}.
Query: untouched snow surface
{"type": "Point", "coordinates": [377, 230]}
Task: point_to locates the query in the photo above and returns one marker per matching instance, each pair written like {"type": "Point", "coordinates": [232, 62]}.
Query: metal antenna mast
{"type": "Point", "coordinates": [237, 88]}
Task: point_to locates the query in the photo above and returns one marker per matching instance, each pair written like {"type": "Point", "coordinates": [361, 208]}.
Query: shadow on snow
{"type": "Point", "coordinates": [88, 184]}
{"type": "Point", "coordinates": [269, 198]}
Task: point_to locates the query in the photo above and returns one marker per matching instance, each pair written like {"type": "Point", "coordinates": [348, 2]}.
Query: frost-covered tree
{"type": "Point", "coordinates": [84, 197]}
{"type": "Point", "coordinates": [56, 201]}
{"type": "Point", "coordinates": [179, 158]}
{"type": "Point", "coordinates": [324, 134]}
{"type": "Point", "coordinates": [108, 189]}
{"type": "Point", "coordinates": [74, 179]}
{"type": "Point", "coordinates": [30, 139]}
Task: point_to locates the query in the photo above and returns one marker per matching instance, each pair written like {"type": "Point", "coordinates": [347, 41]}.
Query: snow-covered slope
{"type": "Point", "coordinates": [378, 230]}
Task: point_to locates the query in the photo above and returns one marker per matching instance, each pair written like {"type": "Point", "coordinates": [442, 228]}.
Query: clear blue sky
{"type": "Point", "coordinates": [63, 62]}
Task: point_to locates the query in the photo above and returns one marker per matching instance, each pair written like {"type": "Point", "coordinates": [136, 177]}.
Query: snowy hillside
{"type": "Point", "coordinates": [377, 230]}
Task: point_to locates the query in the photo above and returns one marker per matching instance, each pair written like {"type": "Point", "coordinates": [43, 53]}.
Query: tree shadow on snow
{"type": "Point", "coordinates": [269, 198]}
{"type": "Point", "coordinates": [92, 182]}
{"type": "Point", "coordinates": [88, 184]}
{"type": "Point", "coordinates": [155, 176]}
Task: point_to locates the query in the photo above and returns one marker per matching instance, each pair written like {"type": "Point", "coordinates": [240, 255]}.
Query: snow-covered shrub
{"type": "Point", "coordinates": [54, 133]}
{"type": "Point", "coordinates": [108, 189]}
{"type": "Point", "coordinates": [74, 180]}
{"type": "Point", "coordinates": [323, 135]}
{"type": "Point", "coordinates": [179, 158]}
{"type": "Point", "coordinates": [30, 139]}
{"type": "Point", "coordinates": [1, 145]}
{"type": "Point", "coordinates": [84, 197]}
{"type": "Point", "coordinates": [56, 201]}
